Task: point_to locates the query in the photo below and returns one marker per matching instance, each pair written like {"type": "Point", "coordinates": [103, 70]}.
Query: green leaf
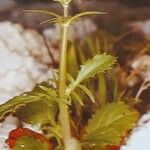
{"type": "Point", "coordinates": [77, 97]}
{"type": "Point", "coordinates": [57, 18]}
{"type": "Point", "coordinates": [98, 64]}
{"type": "Point", "coordinates": [38, 112]}
{"type": "Point", "coordinates": [86, 13]}
{"type": "Point", "coordinates": [48, 93]}
{"type": "Point", "coordinates": [44, 94]}
{"type": "Point", "coordinates": [28, 143]}
{"type": "Point", "coordinates": [70, 78]}
{"type": "Point", "coordinates": [109, 123]}
{"type": "Point", "coordinates": [88, 92]}
{"type": "Point", "coordinates": [53, 20]}
{"type": "Point", "coordinates": [16, 102]}
{"type": "Point", "coordinates": [46, 12]}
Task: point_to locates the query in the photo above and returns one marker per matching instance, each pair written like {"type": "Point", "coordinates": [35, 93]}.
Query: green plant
{"type": "Point", "coordinates": [96, 43]}
{"type": "Point", "coordinates": [110, 122]}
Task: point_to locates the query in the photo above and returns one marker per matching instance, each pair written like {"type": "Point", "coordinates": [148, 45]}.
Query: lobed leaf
{"type": "Point", "coordinates": [109, 123]}
{"type": "Point", "coordinates": [98, 64]}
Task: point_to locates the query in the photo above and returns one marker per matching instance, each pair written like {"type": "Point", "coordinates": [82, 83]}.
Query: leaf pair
{"type": "Point", "coordinates": [61, 20]}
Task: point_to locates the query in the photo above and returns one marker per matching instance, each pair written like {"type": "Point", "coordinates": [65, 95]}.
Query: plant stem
{"type": "Point", "coordinates": [69, 142]}
{"type": "Point", "coordinates": [64, 115]}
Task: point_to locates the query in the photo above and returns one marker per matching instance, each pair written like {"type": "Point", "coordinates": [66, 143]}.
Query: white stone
{"type": "Point", "coordinates": [23, 60]}
{"type": "Point", "coordinates": [140, 136]}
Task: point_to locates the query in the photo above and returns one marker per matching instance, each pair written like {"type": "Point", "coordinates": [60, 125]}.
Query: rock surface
{"type": "Point", "coordinates": [24, 58]}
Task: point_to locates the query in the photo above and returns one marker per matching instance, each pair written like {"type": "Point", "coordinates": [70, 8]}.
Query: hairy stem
{"type": "Point", "coordinates": [69, 142]}
{"type": "Point", "coordinates": [64, 115]}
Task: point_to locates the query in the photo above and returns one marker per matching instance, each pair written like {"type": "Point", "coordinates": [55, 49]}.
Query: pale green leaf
{"type": "Point", "coordinates": [117, 118]}
{"type": "Point", "coordinates": [77, 97]}
{"type": "Point", "coordinates": [88, 92]}
{"type": "Point", "coordinates": [16, 102]}
{"type": "Point", "coordinates": [51, 93]}
{"type": "Point", "coordinates": [44, 94]}
{"type": "Point", "coordinates": [57, 18]}
{"type": "Point", "coordinates": [46, 12]}
{"type": "Point", "coordinates": [98, 64]}
{"type": "Point", "coordinates": [70, 78]}
{"type": "Point", "coordinates": [53, 20]}
{"type": "Point", "coordinates": [86, 13]}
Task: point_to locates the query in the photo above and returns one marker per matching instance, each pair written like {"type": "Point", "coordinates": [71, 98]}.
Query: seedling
{"type": "Point", "coordinates": [49, 106]}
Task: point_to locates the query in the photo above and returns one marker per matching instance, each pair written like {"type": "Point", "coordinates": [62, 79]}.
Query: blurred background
{"type": "Point", "coordinates": [120, 12]}
{"type": "Point", "coordinates": [29, 50]}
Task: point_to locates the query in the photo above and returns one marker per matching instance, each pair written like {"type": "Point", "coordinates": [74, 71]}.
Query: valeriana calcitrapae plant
{"type": "Point", "coordinates": [49, 106]}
